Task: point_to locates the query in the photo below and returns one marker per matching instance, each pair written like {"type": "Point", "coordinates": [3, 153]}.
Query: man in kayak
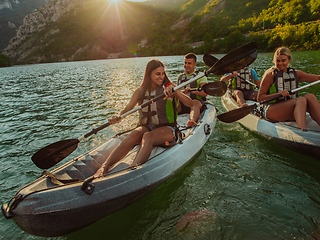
{"type": "Point", "coordinates": [198, 97]}
{"type": "Point", "coordinates": [280, 79]}
{"type": "Point", "coordinates": [242, 85]}
{"type": "Point", "coordinates": [157, 121]}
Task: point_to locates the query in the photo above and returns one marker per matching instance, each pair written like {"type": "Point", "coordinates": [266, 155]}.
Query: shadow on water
{"type": "Point", "coordinates": [152, 216]}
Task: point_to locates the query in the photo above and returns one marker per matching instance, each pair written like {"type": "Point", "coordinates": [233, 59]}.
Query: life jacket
{"type": "Point", "coordinates": [159, 113]}
{"type": "Point", "coordinates": [183, 78]}
{"type": "Point", "coordinates": [240, 84]}
{"type": "Point", "coordinates": [281, 81]}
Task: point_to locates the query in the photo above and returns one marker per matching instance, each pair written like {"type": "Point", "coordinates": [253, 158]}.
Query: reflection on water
{"type": "Point", "coordinates": [257, 189]}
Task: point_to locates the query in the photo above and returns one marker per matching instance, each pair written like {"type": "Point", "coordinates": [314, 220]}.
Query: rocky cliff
{"type": "Point", "coordinates": [12, 13]}
{"type": "Point", "coordinates": [19, 46]}
{"type": "Point", "coordinates": [69, 30]}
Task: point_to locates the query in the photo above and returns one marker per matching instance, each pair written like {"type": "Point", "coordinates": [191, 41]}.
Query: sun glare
{"type": "Point", "coordinates": [115, 1]}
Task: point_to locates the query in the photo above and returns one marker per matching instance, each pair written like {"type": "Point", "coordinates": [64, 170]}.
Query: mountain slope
{"type": "Point", "coordinates": [12, 13]}
{"type": "Point", "coordinates": [68, 30]}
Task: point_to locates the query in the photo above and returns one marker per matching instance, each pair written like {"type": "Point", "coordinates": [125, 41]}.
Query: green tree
{"type": "Point", "coordinates": [234, 39]}
{"type": "Point", "coordinates": [5, 61]}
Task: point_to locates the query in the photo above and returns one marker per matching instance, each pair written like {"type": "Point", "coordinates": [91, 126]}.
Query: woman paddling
{"type": "Point", "coordinates": [280, 79]}
{"type": "Point", "coordinates": [157, 122]}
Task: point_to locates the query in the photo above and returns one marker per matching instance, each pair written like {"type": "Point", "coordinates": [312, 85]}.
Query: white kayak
{"type": "Point", "coordinates": [67, 198]}
{"type": "Point", "coordinates": [283, 133]}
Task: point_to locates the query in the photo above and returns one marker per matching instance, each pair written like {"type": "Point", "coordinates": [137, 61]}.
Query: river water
{"type": "Point", "coordinates": [257, 189]}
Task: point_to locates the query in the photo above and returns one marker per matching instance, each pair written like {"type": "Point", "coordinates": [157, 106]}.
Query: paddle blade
{"type": "Point", "coordinates": [236, 114]}
{"type": "Point", "coordinates": [209, 60]}
{"type": "Point", "coordinates": [50, 155]}
{"type": "Point", "coordinates": [216, 89]}
{"type": "Point", "coordinates": [237, 59]}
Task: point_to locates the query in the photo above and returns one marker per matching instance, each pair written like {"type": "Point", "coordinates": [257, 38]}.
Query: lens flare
{"type": "Point", "coordinates": [135, 54]}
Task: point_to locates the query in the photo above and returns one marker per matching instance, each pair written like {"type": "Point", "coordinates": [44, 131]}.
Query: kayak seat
{"type": "Point", "coordinates": [74, 172]}
{"type": "Point", "coordinates": [83, 169]}
{"type": "Point", "coordinates": [120, 166]}
{"type": "Point", "coordinates": [56, 179]}
{"type": "Point", "coordinates": [92, 164]}
{"type": "Point", "coordinates": [106, 151]}
{"type": "Point", "coordinates": [99, 158]}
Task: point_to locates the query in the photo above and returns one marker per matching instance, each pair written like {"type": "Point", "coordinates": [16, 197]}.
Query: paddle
{"type": "Point", "coordinates": [236, 114]}
{"type": "Point", "coordinates": [216, 89]}
{"type": "Point", "coordinates": [210, 60]}
{"type": "Point", "coordinates": [239, 58]}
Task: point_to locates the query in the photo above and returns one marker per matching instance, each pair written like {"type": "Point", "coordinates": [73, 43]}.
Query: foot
{"type": "Point", "coordinates": [303, 129]}
{"type": "Point", "coordinates": [99, 173]}
{"type": "Point", "coordinates": [191, 123]}
{"type": "Point", "coordinates": [244, 105]}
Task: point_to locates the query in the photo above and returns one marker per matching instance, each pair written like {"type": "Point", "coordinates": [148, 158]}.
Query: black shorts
{"type": "Point", "coordinates": [246, 94]}
{"type": "Point", "coordinates": [185, 109]}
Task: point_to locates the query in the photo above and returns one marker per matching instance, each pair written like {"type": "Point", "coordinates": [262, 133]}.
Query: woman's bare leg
{"type": "Point", "coordinates": [313, 107]}
{"type": "Point", "coordinates": [158, 136]}
{"type": "Point", "coordinates": [289, 110]}
{"type": "Point", "coordinates": [240, 98]}
{"type": "Point", "coordinates": [122, 150]}
{"type": "Point", "coordinates": [194, 113]}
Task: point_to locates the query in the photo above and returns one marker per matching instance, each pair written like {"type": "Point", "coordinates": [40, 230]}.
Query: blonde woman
{"type": "Point", "coordinates": [281, 78]}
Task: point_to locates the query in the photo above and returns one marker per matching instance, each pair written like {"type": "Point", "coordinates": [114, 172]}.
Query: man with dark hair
{"type": "Point", "coordinates": [190, 62]}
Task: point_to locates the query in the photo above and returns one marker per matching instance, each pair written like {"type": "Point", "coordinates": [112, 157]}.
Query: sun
{"type": "Point", "coordinates": [115, 1]}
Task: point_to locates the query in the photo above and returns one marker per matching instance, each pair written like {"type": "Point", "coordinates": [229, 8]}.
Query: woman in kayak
{"type": "Point", "coordinates": [157, 122]}
{"type": "Point", "coordinates": [279, 79]}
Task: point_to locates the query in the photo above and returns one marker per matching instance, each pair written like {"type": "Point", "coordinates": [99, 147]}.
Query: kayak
{"type": "Point", "coordinates": [283, 133]}
{"type": "Point", "coordinates": [67, 198]}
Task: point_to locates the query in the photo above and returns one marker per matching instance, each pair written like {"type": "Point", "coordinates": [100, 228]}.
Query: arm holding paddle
{"type": "Point", "coordinates": [225, 78]}
{"type": "Point", "coordinates": [197, 91]}
{"type": "Point", "coordinates": [132, 103]}
{"type": "Point", "coordinates": [168, 92]}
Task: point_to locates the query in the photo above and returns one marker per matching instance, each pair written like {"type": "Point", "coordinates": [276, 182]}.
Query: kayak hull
{"type": "Point", "coordinates": [282, 133]}
{"type": "Point", "coordinates": [49, 208]}
{"type": "Point", "coordinates": [58, 223]}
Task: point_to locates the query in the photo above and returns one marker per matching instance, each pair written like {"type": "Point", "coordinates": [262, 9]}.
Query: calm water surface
{"type": "Point", "coordinates": [257, 189]}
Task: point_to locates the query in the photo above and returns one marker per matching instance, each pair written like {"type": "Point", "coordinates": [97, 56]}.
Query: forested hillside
{"type": "Point", "coordinates": [273, 23]}
{"type": "Point", "coordinates": [99, 29]}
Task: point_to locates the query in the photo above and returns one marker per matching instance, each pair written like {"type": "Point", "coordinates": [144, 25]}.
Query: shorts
{"type": "Point", "coordinates": [265, 108]}
{"type": "Point", "coordinates": [151, 126]}
{"type": "Point", "coordinates": [185, 109]}
{"type": "Point", "coordinates": [246, 94]}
